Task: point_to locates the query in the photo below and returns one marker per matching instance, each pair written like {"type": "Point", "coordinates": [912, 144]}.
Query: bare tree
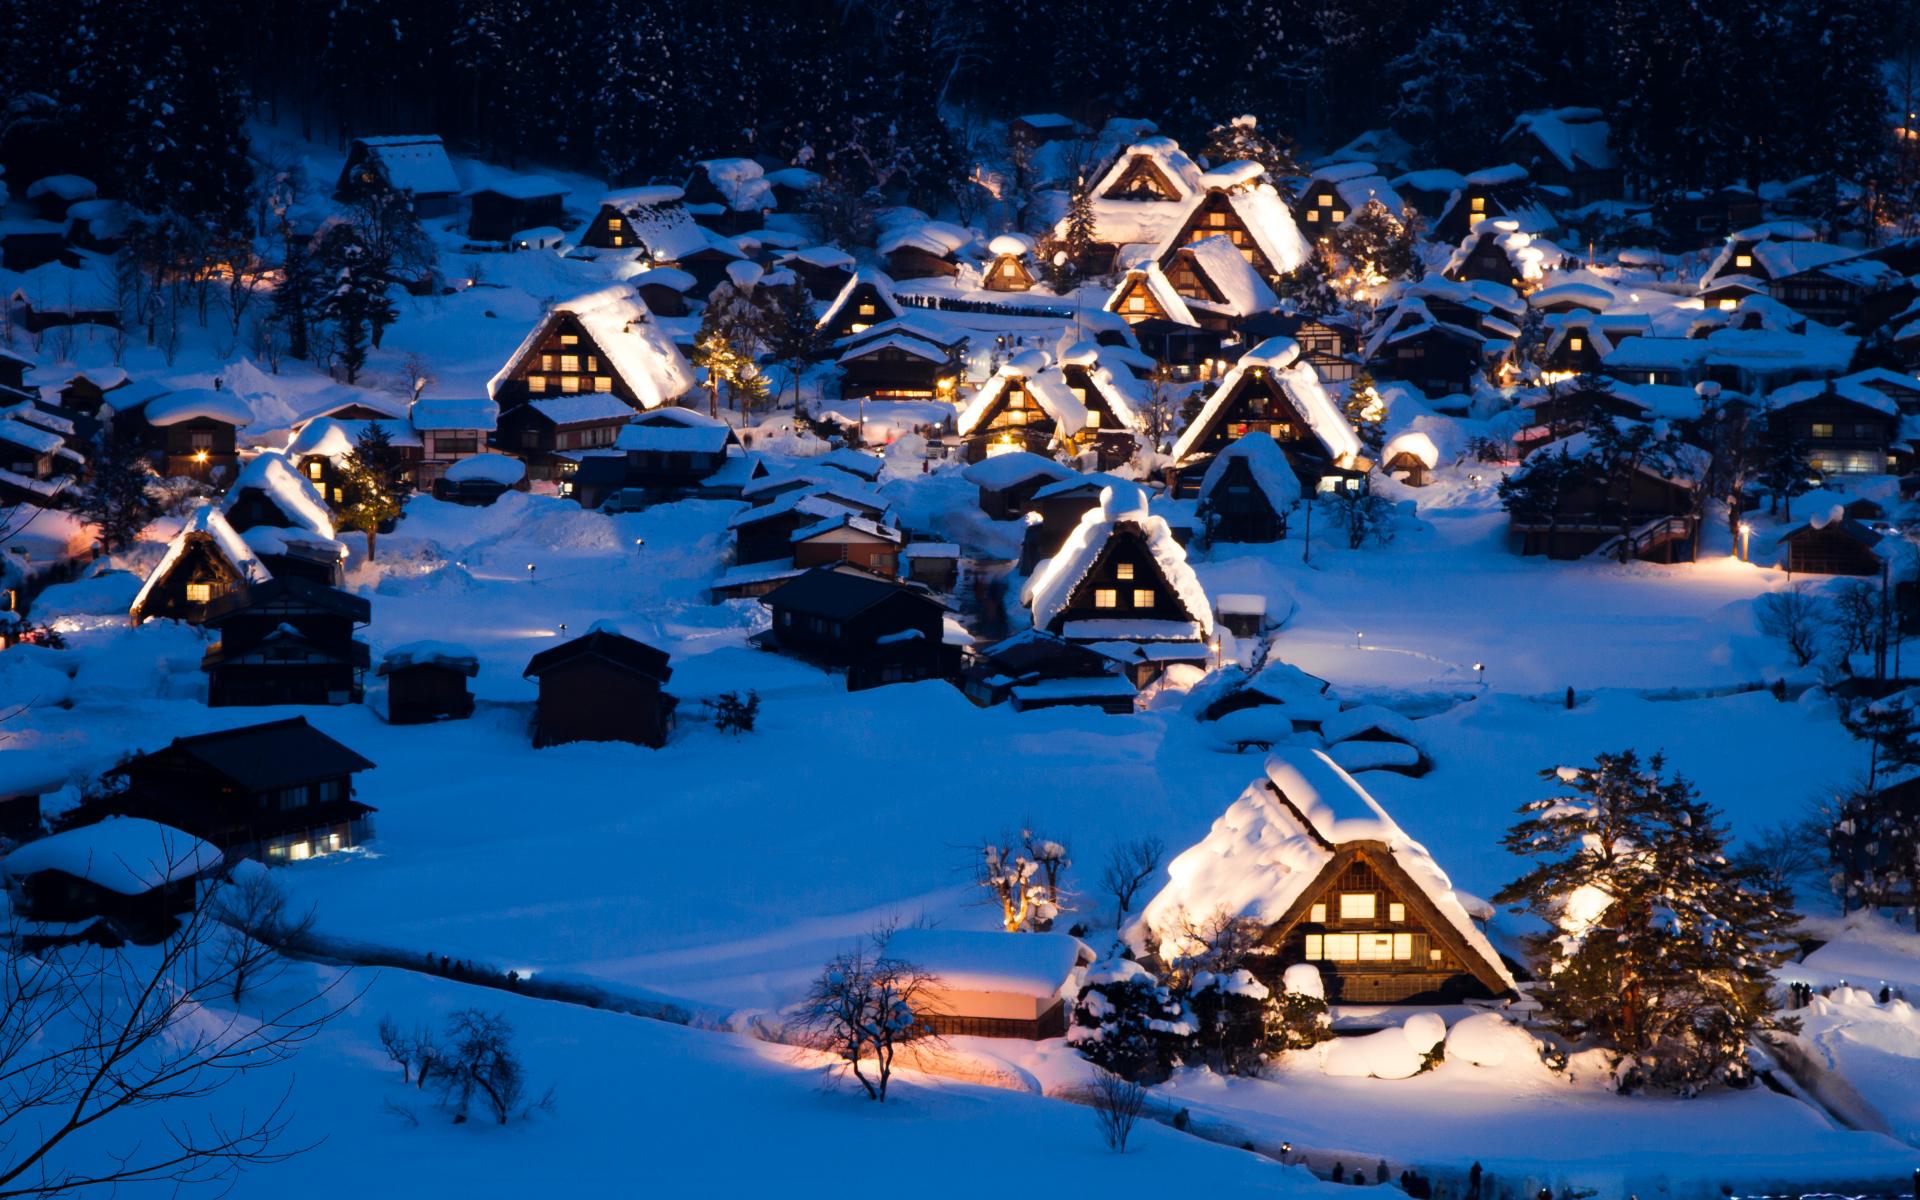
{"type": "Point", "coordinates": [1787, 853]}
{"type": "Point", "coordinates": [1855, 615]}
{"type": "Point", "coordinates": [479, 1063]}
{"type": "Point", "coordinates": [1792, 616]}
{"type": "Point", "coordinates": [97, 1048]}
{"type": "Point", "coordinates": [1129, 866]}
{"type": "Point", "coordinates": [1219, 943]}
{"type": "Point", "coordinates": [1117, 1104]}
{"type": "Point", "coordinates": [260, 922]}
{"type": "Point", "coordinates": [864, 1007]}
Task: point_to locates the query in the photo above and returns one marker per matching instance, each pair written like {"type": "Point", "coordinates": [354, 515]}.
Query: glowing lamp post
{"type": "Point", "coordinates": [1746, 539]}
{"type": "Point", "coordinates": [529, 572]}
{"type": "Point", "coordinates": [1480, 670]}
{"type": "Point", "coordinates": [639, 543]}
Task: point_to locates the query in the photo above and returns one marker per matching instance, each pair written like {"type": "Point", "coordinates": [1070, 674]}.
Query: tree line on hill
{"type": "Point", "coordinates": [148, 96]}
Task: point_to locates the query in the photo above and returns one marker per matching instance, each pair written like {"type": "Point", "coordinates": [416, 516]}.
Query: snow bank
{"type": "Point", "coordinates": [488, 468]}
{"type": "Point", "coordinates": [195, 403]}
{"type": "Point", "coordinates": [1489, 1040]}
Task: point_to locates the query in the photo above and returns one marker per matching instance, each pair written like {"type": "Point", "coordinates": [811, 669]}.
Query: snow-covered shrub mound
{"type": "Point", "coordinates": [26, 681]}
{"type": "Point", "coordinates": [1303, 979]}
{"type": "Point", "coordinates": [1489, 1040]}
{"type": "Point", "coordinates": [1388, 1054]}
{"type": "Point", "coordinates": [1425, 1030]}
{"type": "Point", "coordinates": [107, 594]}
{"type": "Point", "coordinates": [1374, 756]}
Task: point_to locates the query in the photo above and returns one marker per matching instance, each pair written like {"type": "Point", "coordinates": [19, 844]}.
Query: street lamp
{"type": "Point", "coordinates": [1746, 536]}
{"type": "Point", "coordinates": [1480, 669]}
{"type": "Point", "coordinates": [529, 572]}
{"type": "Point", "coordinates": [639, 542]}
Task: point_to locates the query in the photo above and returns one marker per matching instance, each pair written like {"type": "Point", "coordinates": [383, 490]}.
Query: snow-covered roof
{"type": "Point", "coordinates": [1268, 463]}
{"type": "Point", "coordinates": [272, 539]}
{"type": "Point", "coordinates": [34, 438]}
{"type": "Point", "coordinates": [1166, 155]}
{"type": "Point", "coordinates": [1127, 395]}
{"type": "Point", "coordinates": [451, 413]}
{"type": "Point", "coordinates": [1268, 220]}
{"type": "Point", "coordinates": [1014, 245]}
{"type": "Point", "coordinates": [1275, 841]}
{"type": "Point", "coordinates": [1243, 292]}
{"type": "Point", "coordinates": [67, 188]}
{"type": "Point", "coordinates": [586, 406]}
{"type": "Point", "coordinates": [881, 285]}
{"type": "Point", "coordinates": [522, 187]}
{"type": "Point", "coordinates": [195, 403]}
{"type": "Point", "coordinates": [416, 163]}
{"type": "Point", "coordinates": [1023, 964]}
{"type": "Point", "coordinates": [646, 194]}
{"type": "Point", "coordinates": [906, 343]}
{"type": "Point", "coordinates": [54, 287]}
{"type": "Point", "coordinates": [444, 654]}
{"type": "Point", "coordinates": [1281, 356]}
{"type": "Point", "coordinates": [1170, 302]}
{"type": "Point", "coordinates": [633, 343]}
{"type": "Point", "coordinates": [126, 855]}
{"type": "Point", "coordinates": [1575, 137]}
{"type": "Point", "coordinates": [1053, 586]}
{"type": "Point", "coordinates": [487, 468]}
{"type": "Point", "coordinates": [1002, 471]}
{"type": "Point", "coordinates": [209, 522]}
{"type": "Point", "coordinates": [693, 439]}
{"type": "Point", "coordinates": [741, 182]}
{"type": "Point", "coordinates": [1529, 256]}
{"type": "Point", "coordinates": [1777, 254]}
{"type": "Point", "coordinates": [332, 437]}
{"type": "Point", "coordinates": [1035, 370]}
{"type": "Point", "coordinates": [1586, 295]}
{"type": "Point", "coordinates": [274, 476]}
{"type": "Point", "coordinates": [1847, 387]}
{"type": "Point", "coordinates": [940, 238]}
{"type": "Point", "coordinates": [1415, 443]}
{"type": "Point", "coordinates": [663, 225]}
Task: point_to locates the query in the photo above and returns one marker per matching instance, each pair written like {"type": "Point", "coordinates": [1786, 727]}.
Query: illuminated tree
{"type": "Point", "coordinates": [374, 485]}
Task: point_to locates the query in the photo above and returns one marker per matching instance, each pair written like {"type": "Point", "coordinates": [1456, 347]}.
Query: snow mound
{"type": "Point", "coordinates": [1489, 1040]}
{"type": "Point", "coordinates": [489, 468]}
{"type": "Point", "coordinates": [127, 855]}
{"type": "Point", "coordinates": [1373, 756]}
{"type": "Point", "coordinates": [1388, 1054]}
{"type": "Point", "coordinates": [1303, 979]}
{"type": "Point", "coordinates": [194, 403]}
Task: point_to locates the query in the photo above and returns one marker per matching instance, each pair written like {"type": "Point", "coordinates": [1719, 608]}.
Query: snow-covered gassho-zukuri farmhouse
{"type": "Point", "coordinates": [1335, 883]}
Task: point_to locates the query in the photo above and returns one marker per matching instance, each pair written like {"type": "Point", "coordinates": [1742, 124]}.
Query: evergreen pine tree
{"type": "Point", "coordinates": [296, 301]}
{"type": "Point", "coordinates": [1078, 238]}
{"type": "Point", "coordinates": [1229, 1020]}
{"type": "Point", "coordinates": [1366, 411]}
{"type": "Point", "coordinates": [1127, 1022]}
{"type": "Point", "coordinates": [1242, 140]}
{"type": "Point", "coordinates": [1658, 947]}
{"type": "Point", "coordinates": [374, 484]}
{"type": "Point", "coordinates": [116, 499]}
{"type": "Point", "coordinates": [356, 300]}
{"type": "Point", "coordinates": [1786, 471]}
{"type": "Point", "coordinates": [1460, 83]}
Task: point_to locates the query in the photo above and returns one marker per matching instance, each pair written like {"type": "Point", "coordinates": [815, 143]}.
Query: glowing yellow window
{"type": "Point", "coordinates": [546, 362]}
{"type": "Point", "coordinates": [617, 240]}
{"type": "Point", "coordinates": [569, 362]}
{"type": "Point", "coordinates": [1743, 260]}
{"type": "Point", "coordinates": [315, 468]}
{"type": "Point", "coordinates": [1376, 947]}
{"type": "Point", "coordinates": [1396, 911]}
{"type": "Point", "coordinates": [569, 339]}
{"type": "Point", "coordinates": [1357, 906]}
{"type": "Point", "coordinates": [1575, 343]}
{"type": "Point", "coordinates": [1009, 270]}
{"type": "Point", "coordinates": [569, 383]}
{"type": "Point", "coordinates": [1313, 216]}
{"type": "Point", "coordinates": [1106, 598]}
{"type": "Point", "coordinates": [1093, 420]}
{"type": "Point", "coordinates": [199, 593]}
{"type": "Point", "coordinates": [1728, 304]}
{"type": "Point", "coordinates": [1341, 947]}
{"type": "Point", "coordinates": [1326, 200]}
{"type": "Point", "coordinates": [1136, 303]}
{"type": "Point", "coordinates": [603, 383]}
{"type": "Point", "coordinates": [1337, 215]}
{"type": "Point", "coordinates": [1478, 204]}
{"type": "Point", "coordinates": [867, 310]}
{"type": "Point", "coordinates": [1316, 948]}
{"type": "Point", "coordinates": [536, 383]}
{"type": "Point", "coordinates": [1123, 571]}
{"type": "Point", "coordinates": [1402, 946]}
{"type": "Point", "coordinates": [1317, 914]}
{"type": "Point", "coordinates": [1143, 597]}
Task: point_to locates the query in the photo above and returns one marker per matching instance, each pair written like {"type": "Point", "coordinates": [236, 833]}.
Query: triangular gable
{"type": "Point", "coordinates": [1274, 371]}
{"type": "Point", "coordinates": [1253, 217]}
{"type": "Point", "coordinates": [1140, 178]}
{"type": "Point", "coordinates": [861, 289]}
{"type": "Point", "coordinates": [1146, 294]}
{"type": "Point", "coordinates": [1073, 568]}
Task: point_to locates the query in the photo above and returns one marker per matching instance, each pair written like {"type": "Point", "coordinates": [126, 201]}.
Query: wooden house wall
{"type": "Point", "coordinates": [1432, 361]}
{"type": "Point", "coordinates": [588, 700]}
{"type": "Point", "coordinates": [1430, 973]}
{"type": "Point", "coordinates": [1215, 217]}
{"type": "Point", "coordinates": [1257, 404]}
{"type": "Point", "coordinates": [1136, 303]}
{"type": "Point", "coordinates": [891, 374]}
{"type": "Point", "coordinates": [495, 218]}
{"type": "Point", "coordinates": [1006, 273]}
{"type": "Point", "coordinates": [1841, 437]}
{"type": "Point", "coordinates": [176, 790]}
{"type": "Point", "coordinates": [1142, 180]}
{"type": "Point", "coordinates": [565, 361]}
{"type": "Point", "coordinates": [1015, 414]}
{"type": "Point", "coordinates": [1830, 551]}
{"type": "Point", "coordinates": [1125, 568]}
{"type": "Point", "coordinates": [173, 448]}
{"type": "Point", "coordinates": [911, 262]}
{"type": "Point", "coordinates": [878, 555]}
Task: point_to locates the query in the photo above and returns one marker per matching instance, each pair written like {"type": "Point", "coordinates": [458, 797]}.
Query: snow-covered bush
{"type": "Point", "coordinates": [1125, 1021]}
{"type": "Point", "coordinates": [1297, 1015]}
{"type": "Point", "coordinates": [1397, 1053]}
{"type": "Point", "coordinates": [1229, 1019]}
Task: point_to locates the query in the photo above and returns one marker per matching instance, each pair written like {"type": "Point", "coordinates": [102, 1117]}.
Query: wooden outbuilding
{"type": "Point", "coordinates": [192, 433]}
{"type": "Point", "coordinates": [992, 984]}
{"type": "Point", "coordinates": [1832, 544]}
{"type": "Point", "coordinates": [1037, 669]}
{"type": "Point", "coordinates": [1011, 268]}
{"type": "Point", "coordinates": [878, 629]}
{"type": "Point", "coordinates": [901, 359]}
{"type": "Point", "coordinates": [508, 206]}
{"type": "Point", "coordinates": [281, 791]}
{"type": "Point", "coordinates": [602, 687]}
{"type": "Point", "coordinates": [1008, 481]}
{"type": "Point", "coordinates": [863, 302]}
{"type": "Point", "coordinates": [427, 681]}
{"type": "Point", "coordinates": [119, 880]}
